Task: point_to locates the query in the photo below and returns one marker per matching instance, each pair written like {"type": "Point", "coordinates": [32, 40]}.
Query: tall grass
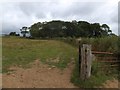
{"type": "Point", "coordinates": [110, 44]}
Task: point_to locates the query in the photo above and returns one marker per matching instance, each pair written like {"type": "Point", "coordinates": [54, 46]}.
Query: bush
{"type": "Point", "coordinates": [106, 44]}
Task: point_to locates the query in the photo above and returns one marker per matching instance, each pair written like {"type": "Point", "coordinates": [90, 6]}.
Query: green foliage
{"type": "Point", "coordinates": [13, 34]}
{"type": "Point", "coordinates": [24, 31]}
{"type": "Point", "coordinates": [107, 44]}
{"type": "Point", "coordinates": [59, 28]}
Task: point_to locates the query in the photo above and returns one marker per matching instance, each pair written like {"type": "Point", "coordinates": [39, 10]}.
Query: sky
{"type": "Point", "coordinates": [14, 14]}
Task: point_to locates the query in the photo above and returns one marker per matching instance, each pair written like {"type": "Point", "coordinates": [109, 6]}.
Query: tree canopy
{"type": "Point", "coordinates": [24, 31]}
{"type": "Point", "coordinates": [13, 34]}
{"type": "Point", "coordinates": [57, 28]}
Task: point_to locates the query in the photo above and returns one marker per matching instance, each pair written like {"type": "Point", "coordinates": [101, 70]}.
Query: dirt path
{"type": "Point", "coordinates": [111, 84]}
{"type": "Point", "coordinates": [43, 76]}
{"type": "Point", "coordinates": [38, 76]}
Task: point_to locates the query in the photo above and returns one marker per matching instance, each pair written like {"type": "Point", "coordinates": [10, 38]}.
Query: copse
{"type": "Point", "coordinates": [13, 34]}
{"type": "Point", "coordinates": [57, 28]}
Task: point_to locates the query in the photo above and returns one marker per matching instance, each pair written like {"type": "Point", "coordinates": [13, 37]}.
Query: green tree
{"type": "Point", "coordinates": [24, 31]}
{"type": "Point", "coordinates": [12, 33]}
{"type": "Point", "coordinates": [106, 29]}
{"type": "Point", "coordinates": [85, 29]}
{"type": "Point", "coordinates": [96, 30]}
{"type": "Point", "coordinates": [35, 29]}
{"type": "Point", "coordinates": [57, 28]}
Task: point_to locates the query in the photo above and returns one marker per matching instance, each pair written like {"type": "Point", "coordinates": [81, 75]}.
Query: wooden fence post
{"type": "Point", "coordinates": [86, 61]}
{"type": "Point", "coordinates": [79, 57]}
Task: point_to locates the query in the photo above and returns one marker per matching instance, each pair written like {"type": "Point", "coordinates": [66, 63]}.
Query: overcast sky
{"type": "Point", "coordinates": [17, 13]}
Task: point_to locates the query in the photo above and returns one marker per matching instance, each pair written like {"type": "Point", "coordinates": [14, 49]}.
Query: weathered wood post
{"type": "Point", "coordinates": [86, 60]}
{"type": "Point", "coordinates": [78, 40]}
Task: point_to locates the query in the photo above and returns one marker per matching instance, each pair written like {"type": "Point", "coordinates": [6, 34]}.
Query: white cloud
{"type": "Point", "coordinates": [18, 13]}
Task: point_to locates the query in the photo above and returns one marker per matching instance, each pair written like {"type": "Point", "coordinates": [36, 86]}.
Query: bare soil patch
{"type": "Point", "coordinates": [111, 84]}
{"type": "Point", "coordinates": [38, 76]}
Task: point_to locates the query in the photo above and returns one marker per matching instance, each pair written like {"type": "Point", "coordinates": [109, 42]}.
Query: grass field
{"type": "Point", "coordinates": [20, 51]}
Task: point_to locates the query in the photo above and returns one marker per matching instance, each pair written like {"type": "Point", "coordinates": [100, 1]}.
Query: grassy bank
{"type": "Point", "coordinates": [20, 51]}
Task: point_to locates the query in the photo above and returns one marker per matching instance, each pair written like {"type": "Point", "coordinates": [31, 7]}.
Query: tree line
{"type": "Point", "coordinates": [57, 28]}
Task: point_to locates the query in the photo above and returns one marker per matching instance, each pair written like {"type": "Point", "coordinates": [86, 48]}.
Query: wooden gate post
{"type": "Point", "coordinates": [86, 60]}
